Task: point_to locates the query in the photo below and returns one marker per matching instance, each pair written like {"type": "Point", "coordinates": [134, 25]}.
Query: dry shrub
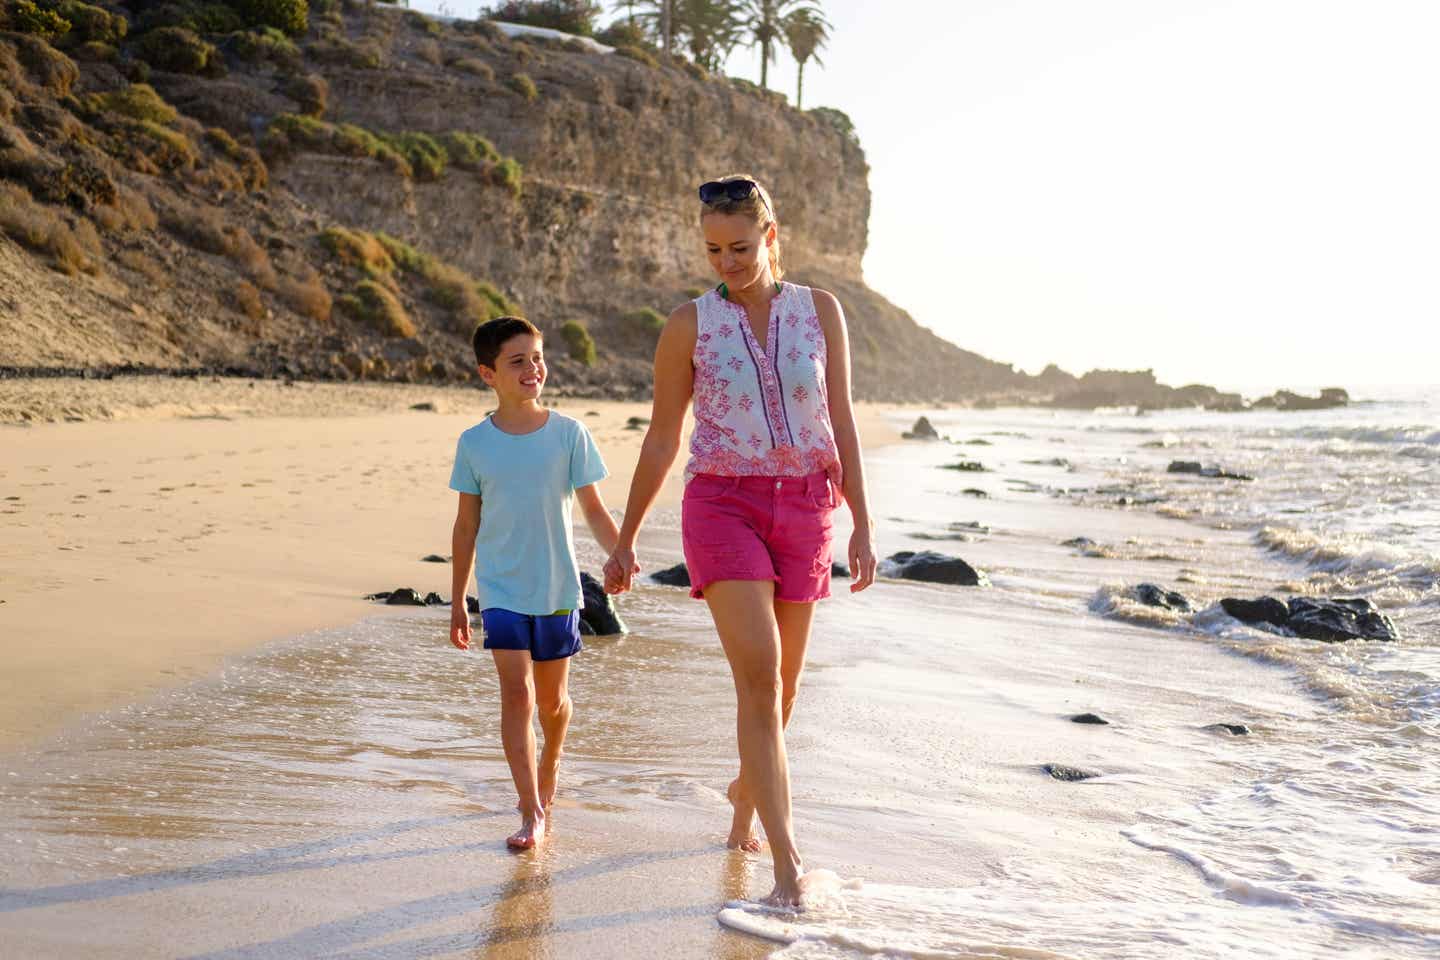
{"type": "Point", "coordinates": [311, 92]}
{"type": "Point", "coordinates": [357, 248]}
{"type": "Point", "coordinates": [429, 51]}
{"type": "Point", "coordinates": [246, 299]}
{"type": "Point", "coordinates": [51, 69]}
{"type": "Point", "coordinates": [7, 103]}
{"type": "Point", "coordinates": [153, 273]}
{"type": "Point", "coordinates": [39, 229]}
{"type": "Point", "coordinates": [139, 101]}
{"type": "Point", "coordinates": [307, 296]}
{"type": "Point", "coordinates": [12, 75]}
{"type": "Point", "coordinates": [252, 169]}
{"type": "Point", "coordinates": [136, 210]}
{"type": "Point", "coordinates": [523, 85]}
{"type": "Point", "coordinates": [199, 226]}
{"type": "Point", "coordinates": [252, 258]}
{"type": "Point", "coordinates": [380, 309]}
{"type": "Point", "coordinates": [477, 68]}
{"type": "Point", "coordinates": [89, 239]}
{"type": "Point", "coordinates": [219, 176]}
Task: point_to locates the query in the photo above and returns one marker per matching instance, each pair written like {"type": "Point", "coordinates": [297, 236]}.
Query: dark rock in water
{"type": "Point", "coordinates": [1263, 610]}
{"type": "Point", "coordinates": [965, 466]}
{"type": "Point", "coordinates": [403, 597]}
{"type": "Point", "coordinates": [636, 423]}
{"type": "Point", "coordinates": [1156, 596]}
{"type": "Point", "coordinates": [599, 610]}
{"type": "Point", "coordinates": [434, 558]}
{"type": "Point", "coordinates": [974, 526]}
{"type": "Point", "coordinates": [978, 442]}
{"type": "Point", "coordinates": [1199, 470]}
{"type": "Point", "coordinates": [676, 576]}
{"type": "Point", "coordinates": [433, 599]}
{"type": "Point", "coordinates": [1079, 543]}
{"type": "Point", "coordinates": [425, 406]}
{"type": "Point", "coordinates": [1335, 621]}
{"type": "Point", "coordinates": [585, 629]}
{"type": "Point", "coordinates": [1052, 462]}
{"type": "Point", "coordinates": [1090, 718]}
{"type": "Point", "coordinates": [1285, 400]}
{"type": "Point", "coordinates": [953, 536]}
{"type": "Point", "coordinates": [1314, 618]}
{"type": "Point", "coordinates": [921, 431]}
{"type": "Point", "coordinates": [472, 605]}
{"type": "Point", "coordinates": [840, 570]}
{"type": "Point", "coordinates": [975, 492]}
{"type": "Point", "coordinates": [1069, 774]}
{"type": "Point", "coordinates": [930, 567]}
{"type": "Point", "coordinates": [1234, 729]}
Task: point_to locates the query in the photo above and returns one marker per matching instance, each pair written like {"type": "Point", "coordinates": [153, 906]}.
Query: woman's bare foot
{"type": "Point", "coordinates": [742, 824]}
{"type": "Point", "coordinates": [788, 894]}
{"type": "Point", "coordinates": [530, 835]}
{"type": "Point", "coordinates": [548, 777]}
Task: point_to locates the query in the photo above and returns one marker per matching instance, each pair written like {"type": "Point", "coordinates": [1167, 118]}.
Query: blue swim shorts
{"type": "Point", "coordinates": [548, 637]}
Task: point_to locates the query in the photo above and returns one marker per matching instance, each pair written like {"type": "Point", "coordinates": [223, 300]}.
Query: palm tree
{"type": "Point", "coordinates": [711, 28]}
{"type": "Point", "coordinates": [765, 21]}
{"type": "Point", "coordinates": [806, 32]}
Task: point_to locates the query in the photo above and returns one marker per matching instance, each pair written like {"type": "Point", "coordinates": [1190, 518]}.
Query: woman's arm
{"type": "Point", "coordinates": [674, 383]}
{"type": "Point", "coordinates": [847, 439]}
{"type": "Point", "coordinates": [462, 563]}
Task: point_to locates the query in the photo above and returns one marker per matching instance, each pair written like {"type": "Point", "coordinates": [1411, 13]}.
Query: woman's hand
{"type": "Point", "coordinates": [862, 559]}
{"type": "Point", "coordinates": [620, 570]}
{"type": "Point", "coordinates": [460, 625]}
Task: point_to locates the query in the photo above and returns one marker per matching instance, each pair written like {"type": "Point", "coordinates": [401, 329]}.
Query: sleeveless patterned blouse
{"type": "Point", "coordinates": [761, 412]}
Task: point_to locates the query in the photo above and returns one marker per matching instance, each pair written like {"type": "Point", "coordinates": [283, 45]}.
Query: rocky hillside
{"type": "Point", "coordinates": [343, 191]}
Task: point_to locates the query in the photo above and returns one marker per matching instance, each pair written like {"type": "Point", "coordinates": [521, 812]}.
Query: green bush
{"type": "Point", "coordinates": [365, 55]}
{"type": "Point", "coordinates": [418, 21]}
{"type": "Point", "coordinates": [426, 157]}
{"type": "Point", "coordinates": [642, 327]}
{"type": "Point", "coordinates": [138, 101]}
{"type": "Point", "coordinates": [176, 49]}
{"type": "Point", "coordinates": [168, 149]}
{"type": "Point", "coordinates": [507, 173]}
{"type": "Point", "coordinates": [23, 16]}
{"type": "Point", "coordinates": [470, 151]}
{"type": "Point", "coordinates": [836, 120]}
{"type": "Point", "coordinates": [199, 18]}
{"type": "Point", "coordinates": [373, 304]}
{"type": "Point", "coordinates": [90, 24]}
{"type": "Point", "coordinates": [265, 44]}
{"type": "Point", "coordinates": [523, 85]}
{"type": "Point", "coordinates": [579, 342]}
{"type": "Point", "coordinates": [623, 33]}
{"type": "Point", "coordinates": [569, 16]}
{"type": "Point", "coordinates": [478, 68]}
{"type": "Point", "coordinates": [290, 16]}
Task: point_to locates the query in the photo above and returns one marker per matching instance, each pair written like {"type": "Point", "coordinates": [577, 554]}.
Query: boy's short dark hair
{"type": "Point", "coordinates": [492, 334]}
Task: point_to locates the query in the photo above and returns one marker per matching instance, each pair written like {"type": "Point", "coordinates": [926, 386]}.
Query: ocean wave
{"type": "Point", "coordinates": [1363, 562]}
{"type": "Point", "coordinates": [1415, 434]}
{"type": "Point", "coordinates": [1118, 602]}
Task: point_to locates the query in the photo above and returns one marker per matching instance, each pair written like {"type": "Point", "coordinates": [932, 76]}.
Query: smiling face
{"type": "Point", "coordinates": [519, 372]}
{"type": "Point", "coordinates": [738, 249]}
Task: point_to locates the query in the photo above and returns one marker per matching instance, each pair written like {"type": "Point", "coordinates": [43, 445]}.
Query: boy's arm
{"type": "Point", "coordinates": [462, 564]}
{"type": "Point", "coordinates": [597, 517]}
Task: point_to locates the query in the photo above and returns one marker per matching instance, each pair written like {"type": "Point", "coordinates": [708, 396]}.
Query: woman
{"type": "Point", "coordinates": [767, 364]}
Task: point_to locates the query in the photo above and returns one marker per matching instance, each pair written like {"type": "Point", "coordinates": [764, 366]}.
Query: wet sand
{"type": "Point", "coordinates": [183, 521]}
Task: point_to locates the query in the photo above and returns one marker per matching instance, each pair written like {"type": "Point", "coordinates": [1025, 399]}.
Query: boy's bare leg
{"type": "Point", "coordinates": [517, 734]}
{"type": "Point", "coordinates": [552, 696]}
{"type": "Point", "coordinates": [794, 621]}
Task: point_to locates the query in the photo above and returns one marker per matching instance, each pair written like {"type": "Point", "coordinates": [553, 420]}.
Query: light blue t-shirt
{"type": "Point", "coordinates": [525, 552]}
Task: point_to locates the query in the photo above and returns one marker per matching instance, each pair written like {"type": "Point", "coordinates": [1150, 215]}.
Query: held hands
{"type": "Point", "coordinates": [862, 560]}
{"type": "Point", "coordinates": [460, 626]}
{"type": "Point", "coordinates": [620, 570]}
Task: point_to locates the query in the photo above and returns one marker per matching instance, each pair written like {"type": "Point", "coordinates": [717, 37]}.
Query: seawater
{"type": "Point", "coordinates": [1326, 837]}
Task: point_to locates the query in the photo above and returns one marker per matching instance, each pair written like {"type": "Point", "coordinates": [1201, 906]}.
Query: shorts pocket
{"type": "Point", "coordinates": [705, 487]}
{"type": "Point", "coordinates": [823, 499]}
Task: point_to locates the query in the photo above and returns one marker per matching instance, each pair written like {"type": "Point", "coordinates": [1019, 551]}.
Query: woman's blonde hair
{"type": "Point", "coordinates": [758, 206]}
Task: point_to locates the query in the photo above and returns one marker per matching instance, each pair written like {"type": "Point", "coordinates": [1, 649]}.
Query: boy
{"type": "Point", "coordinates": [524, 463]}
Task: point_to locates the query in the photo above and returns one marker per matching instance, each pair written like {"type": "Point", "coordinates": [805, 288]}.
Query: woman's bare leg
{"type": "Point", "coordinates": [744, 615]}
{"type": "Point", "coordinates": [794, 621]}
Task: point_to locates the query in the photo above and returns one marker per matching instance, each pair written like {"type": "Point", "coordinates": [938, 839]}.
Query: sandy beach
{"type": "Point", "coordinates": [214, 748]}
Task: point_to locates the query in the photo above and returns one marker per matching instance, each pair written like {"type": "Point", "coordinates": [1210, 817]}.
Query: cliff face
{"type": "Point", "coordinates": [603, 223]}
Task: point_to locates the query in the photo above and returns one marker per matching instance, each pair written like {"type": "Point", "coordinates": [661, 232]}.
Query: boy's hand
{"type": "Point", "coordinates": [460, 626]}
{"type": "Point", "coordinates": [620, 570]}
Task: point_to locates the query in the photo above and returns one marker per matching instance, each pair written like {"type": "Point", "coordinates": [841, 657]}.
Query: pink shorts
{"type": "Point", "coordinates": [759, 528]}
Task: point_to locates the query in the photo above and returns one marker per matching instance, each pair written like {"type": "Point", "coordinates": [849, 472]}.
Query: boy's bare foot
{"type": "Point", "coordinates": [530, 835]}
{"type": "Point", "coordinates": [742, 834]}
{"type": "Point", "coordinates": [547, 777]}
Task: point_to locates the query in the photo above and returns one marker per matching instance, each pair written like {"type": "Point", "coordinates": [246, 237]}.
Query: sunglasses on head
{"type": "Point", "coordinates": [723, 191]}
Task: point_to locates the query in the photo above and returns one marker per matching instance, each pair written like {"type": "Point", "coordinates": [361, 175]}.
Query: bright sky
{"type": "Point", "coordinates": [1237, 192]}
